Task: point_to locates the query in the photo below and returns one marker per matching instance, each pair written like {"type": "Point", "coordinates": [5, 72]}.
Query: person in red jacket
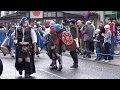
{"type": "Point", "coordinates": [56, 46]}
{"type": "Point", "coordinates": [108, 21]}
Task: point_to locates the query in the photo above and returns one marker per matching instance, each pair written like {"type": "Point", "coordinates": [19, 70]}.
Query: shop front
{"type": "Point", "coordinates": [56, 16]}
{"type": "Point", "coordinates": [114, 15]}
{"type": "Point", "coordinates": [36, 16]}
{"type": "Point", "coordinates": [12, 18]}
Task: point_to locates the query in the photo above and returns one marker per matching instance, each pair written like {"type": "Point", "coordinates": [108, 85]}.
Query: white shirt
{"type": "Point", "coordinates": [33, 36]}
{"type": "Point", "coordinates": [47, 31]}
{"type": "Point", "coordinates": [94, 30]}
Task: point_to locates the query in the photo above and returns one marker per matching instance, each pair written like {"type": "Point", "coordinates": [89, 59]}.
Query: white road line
{"type": "Point", "coordinates": [52, 74]}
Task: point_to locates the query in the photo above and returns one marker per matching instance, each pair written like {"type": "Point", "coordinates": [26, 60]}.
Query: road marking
{"type": "Point", "coordinates": [52, 74]}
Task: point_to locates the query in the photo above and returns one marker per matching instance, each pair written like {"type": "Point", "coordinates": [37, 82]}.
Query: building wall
{"type": "Point", "coordinates": [5, 13]}
{"type": "Point", "coordinates": [101, 18]}
{"type": "Point", "coordinates": [101, 15]}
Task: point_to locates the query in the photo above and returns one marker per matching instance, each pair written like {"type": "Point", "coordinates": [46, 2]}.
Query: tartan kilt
{"type": "Point", "coordinates": [20, 52]}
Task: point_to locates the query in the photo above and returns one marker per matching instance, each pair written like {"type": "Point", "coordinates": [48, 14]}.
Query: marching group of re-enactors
{"type": "Point", "coordinates": [31, 39]}
{"type": "Point", "coordinates": [28, 40]}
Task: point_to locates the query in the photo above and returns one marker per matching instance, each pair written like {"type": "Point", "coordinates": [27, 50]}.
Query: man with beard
{"type": "Point", "coordinates": [74, 32]}
{"type": "Point", "coordinates": [25, 48]}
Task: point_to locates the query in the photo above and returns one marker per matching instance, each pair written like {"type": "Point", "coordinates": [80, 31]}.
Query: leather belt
{"type": "Point", "coordinates": [23, 43]}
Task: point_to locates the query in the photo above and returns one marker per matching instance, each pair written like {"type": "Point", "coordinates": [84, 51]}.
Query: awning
{"type": "Point", "coordinates": [76, 12]}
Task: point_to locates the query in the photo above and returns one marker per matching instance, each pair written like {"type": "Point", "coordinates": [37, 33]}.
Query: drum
{"type": "Point", "coordinates": [4, 46]}
{"type": "Point", "coordinates": [1, 67]}
{"type": "Point", "coordinates": [71, 47]}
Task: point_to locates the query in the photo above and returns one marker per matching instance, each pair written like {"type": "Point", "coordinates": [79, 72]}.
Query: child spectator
{"type": "Point", "coordinates": [98, 46]}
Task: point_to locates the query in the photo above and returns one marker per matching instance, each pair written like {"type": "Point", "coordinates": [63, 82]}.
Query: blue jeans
{"type": "Point", "coordinates": [112, 48]}
{"type": "Point", "coordinates": [98, 50]}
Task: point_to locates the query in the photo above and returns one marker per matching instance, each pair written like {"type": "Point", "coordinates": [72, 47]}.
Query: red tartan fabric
{"type": "Point", "coordinates": [111, 28]}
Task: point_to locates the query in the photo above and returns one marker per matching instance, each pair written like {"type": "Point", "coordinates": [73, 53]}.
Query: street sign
{"type": "Point", "coordinates": [36, 14]}
{"type": "Point", "coordinates": [49, 14]}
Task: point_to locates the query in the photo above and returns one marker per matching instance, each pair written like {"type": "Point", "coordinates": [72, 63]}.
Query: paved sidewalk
{"type": "Point", "coordinates": [116, 60]}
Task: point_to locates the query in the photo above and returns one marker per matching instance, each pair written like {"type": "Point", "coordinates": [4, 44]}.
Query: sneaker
{"type": "Point", "coordinates": [102, 60]}
{"type": "Point", "coordinates": [96, 59]}
{"type": "Point", "coordinates": [106, 61]}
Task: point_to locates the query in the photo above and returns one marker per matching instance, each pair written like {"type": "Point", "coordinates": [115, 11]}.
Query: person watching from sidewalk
{"type": "Point", "coordinates": [117, 39]}
{"type": "Point", "coordinates": [107, 42]}
{"type": "Point", "coordinates": [102, 31]}
{"type": "Point", "coordinates": [98, 46]}
{"type": "Point", "coordinates": [79, 26]}
{"type": "Point", "coordinates": [108, 21]}
{"type": "Point", "coordinates": [88, 38]}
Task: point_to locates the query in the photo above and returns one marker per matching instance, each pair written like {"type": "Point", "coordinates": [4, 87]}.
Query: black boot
{"type": "Point", "coordinates": [27, 75]}
{"type": "Point", "coordinates": [52, 63]}
{"type": "Point", "coordinates": [20, 72]}
{"type": "Point", "coordinates": [60, 68]}
{"type": "Point", "coordinates": [74, 66]}
{"type": "Point", "coordinates": [60, 63]}
{"type": "Point", "coordinates": [53, 67]}
{"type": "Point", "coordinates": [75, 59]}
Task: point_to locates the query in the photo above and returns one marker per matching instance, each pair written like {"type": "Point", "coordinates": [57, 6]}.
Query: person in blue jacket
{"type": "Point", "coordinates": [2, 35]}
{"type": "Point", "coordinates": [40, 39]}
{"type": "Point", "coordinates": [11, 41]}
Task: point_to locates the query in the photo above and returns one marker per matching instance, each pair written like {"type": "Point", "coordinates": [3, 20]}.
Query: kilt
{"type": "Point", "coordinates": [21, 53]}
